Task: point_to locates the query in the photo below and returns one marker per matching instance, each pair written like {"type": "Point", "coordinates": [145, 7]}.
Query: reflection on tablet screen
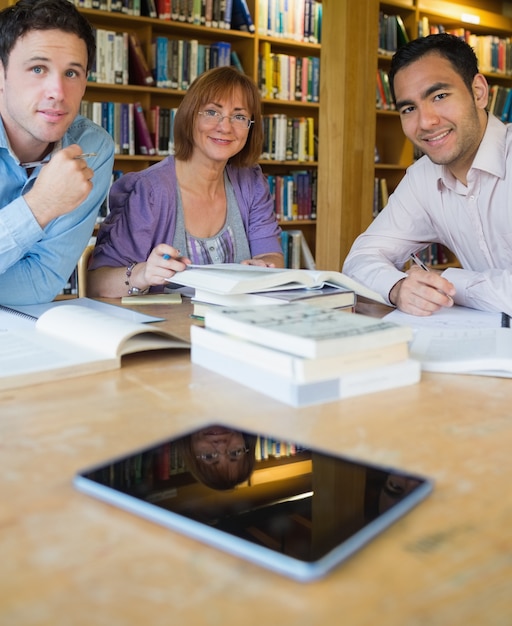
{"type": "Point", "coordinates": [284, 505]}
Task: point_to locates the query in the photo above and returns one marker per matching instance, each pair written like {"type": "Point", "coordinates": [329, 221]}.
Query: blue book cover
{"type": "Point", "coordinates": [241, 18]}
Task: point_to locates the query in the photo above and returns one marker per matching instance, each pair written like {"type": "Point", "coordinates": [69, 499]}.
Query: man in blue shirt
{"type": "Point", "coordinates": [47, 212]}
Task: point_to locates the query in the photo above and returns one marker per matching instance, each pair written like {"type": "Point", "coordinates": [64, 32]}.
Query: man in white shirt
{"type": "Point", "coordinates": [458, 194]}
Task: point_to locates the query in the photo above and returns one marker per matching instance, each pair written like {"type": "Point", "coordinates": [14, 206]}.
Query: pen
{"type": "Point", "coordinates": [84, 155]}
{"type": "Point", "coordinates": [419, 262]}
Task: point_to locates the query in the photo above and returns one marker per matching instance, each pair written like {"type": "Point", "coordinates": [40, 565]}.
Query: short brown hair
{"type": "Point", "coordinates": [209, 87]}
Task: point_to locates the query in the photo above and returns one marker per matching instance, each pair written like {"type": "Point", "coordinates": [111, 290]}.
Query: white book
{"type": "Point", "coordinates": [71, 340]}
{"type": "Point", "coordinates": [305, 330]}
{"type": "Point", "coordinates": [252, 375]}
{"type": "Point", "coordinates": [228, 278]}
{"type": "Point", "coordinates": [328, 297]}
{"type": "Point", "coordinates": [294, 368]}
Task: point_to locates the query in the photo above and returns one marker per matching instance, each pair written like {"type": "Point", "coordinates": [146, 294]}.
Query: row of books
{"type": "Point", "coordinates": [434, 254]}
{"type": "Point", "coordinates": [150, 133]}
{"type": "Point", "coordinates": [267, 448]}
{"type": "Point", "coordinates": [380, 194]}
{"type": "Point", "coordinates": [303, 355]}
{"type": "Point", "coordinates": [500, 102]}
{"type": "Point", "coordinates": [225, 14]}
{"type": "Point", "coordinates": [494, 53]}
{"type": "Point", "coordinates": [392, 33]}
{"type": "Point", "coordinates": [383, 98]}
{"type": "Point", "coordinates": [296, 251]}
{"type": "Point", "coordinates": [288, 138]}
{"type": "Point", "coordinates": [291, 19]}
{"type": "Point", "coordinates": [175, 63]}
{"type": "Point", "coordinates": [294, 194]}
{"type": "Point", "coordinates": [288, 77]}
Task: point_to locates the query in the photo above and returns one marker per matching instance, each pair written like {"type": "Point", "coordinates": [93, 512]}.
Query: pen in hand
{"type": "Point", "coordinates": [84, 155]}
{"type": "Point", "coordinates": [419, 262]}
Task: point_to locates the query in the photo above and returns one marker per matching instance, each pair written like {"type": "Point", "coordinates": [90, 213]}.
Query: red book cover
{"type": "Point", "coordinates": [142, 136]}
{"type": "Point", "coordinates": [140, 73]}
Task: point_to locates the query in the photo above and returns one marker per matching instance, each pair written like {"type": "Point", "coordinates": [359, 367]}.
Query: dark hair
{"type": "Point", "coordinates": [28, 15]}
{"type": "Point", "coordinates": [459, 53]}
{"type": "Point", "coordinates": [210, 86]}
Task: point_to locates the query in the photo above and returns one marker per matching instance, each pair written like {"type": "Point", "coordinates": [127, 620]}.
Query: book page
{"type": "Point", "coordinates": [464, 350]}
{"type": "Point", "coordinates": [23, 352]}
{"type": "Point", "coordinates": [452, 317]}
{"type": "Point", "coordinates": [104, 334]}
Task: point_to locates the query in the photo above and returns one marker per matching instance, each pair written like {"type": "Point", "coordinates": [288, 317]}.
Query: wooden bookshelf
{"type": "Point", "coordinates": [245, 44]}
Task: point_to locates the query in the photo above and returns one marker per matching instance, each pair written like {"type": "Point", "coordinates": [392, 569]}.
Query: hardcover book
{"type": "Point", "coordinates": [327, 296]}
{"type": "Point", "coordinates": [232, 278]}
{"type": "Point", "coordinates": [255, 376]}
{"type": "Point", "coordinates": [139, 70]}
{"type": "Point", "coordinates": [305, 330]}
{"type": "Point", "coordinates": [143, 139]}
{"type": "Point", "coordinates": [294, 368]}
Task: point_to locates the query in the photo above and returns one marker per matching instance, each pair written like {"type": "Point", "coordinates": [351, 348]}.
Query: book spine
{"type": "Point", "coordinates": [141, 73]}
{"type": "Point", "coordinates": [142, 135]}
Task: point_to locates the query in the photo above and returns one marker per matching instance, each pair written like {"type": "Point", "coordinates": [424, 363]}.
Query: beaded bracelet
{"type": "Point", "coordinates": [133, 291]}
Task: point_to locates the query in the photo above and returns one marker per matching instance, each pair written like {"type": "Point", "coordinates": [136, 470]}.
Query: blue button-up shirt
{"type": "Point", "coordinates": [36, 263]}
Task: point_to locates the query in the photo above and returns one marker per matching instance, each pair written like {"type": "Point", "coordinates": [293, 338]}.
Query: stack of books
{"type": "Point", "coordinates": [233, 285]}
{"type": "Point", "coordinates": [303, 355]}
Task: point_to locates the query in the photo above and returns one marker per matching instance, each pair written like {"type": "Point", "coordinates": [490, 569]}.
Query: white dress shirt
{"type": "Point", "coordinates": [431, 206]}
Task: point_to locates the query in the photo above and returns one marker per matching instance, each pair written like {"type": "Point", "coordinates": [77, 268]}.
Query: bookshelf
{"type": "Point", "coordinates": [248, 47]}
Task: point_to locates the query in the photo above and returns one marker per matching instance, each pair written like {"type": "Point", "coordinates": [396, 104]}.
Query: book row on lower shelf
{"type": "Point", "coordinates": [295, 195]}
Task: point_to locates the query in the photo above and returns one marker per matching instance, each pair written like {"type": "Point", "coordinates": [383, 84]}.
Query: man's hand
{"type": "Point", "coordinates": [62, 185]}
{"type": "Point", "coordinates": [422, 293]}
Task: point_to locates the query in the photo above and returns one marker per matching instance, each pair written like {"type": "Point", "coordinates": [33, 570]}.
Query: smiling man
{"type": "Point", "coordinates": [458, 194]}
{"type": "Point", "coordinates": [48, 211]}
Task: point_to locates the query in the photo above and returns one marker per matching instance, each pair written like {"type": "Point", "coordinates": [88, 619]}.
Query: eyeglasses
{"type": "Point", "coordinates": [235, 454]}
{"type": "Point", "coordinates": [212, 118]}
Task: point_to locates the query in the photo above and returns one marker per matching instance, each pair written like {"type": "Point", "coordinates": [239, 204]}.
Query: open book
{"type": "Point", "coordinates": [480, 351]}
{"type": "Point", "coordinates": [72, 340]}
{"type": "Point", "coordinates": [234, 278]}
{"type": "Point", "coordinates": [459, 340]}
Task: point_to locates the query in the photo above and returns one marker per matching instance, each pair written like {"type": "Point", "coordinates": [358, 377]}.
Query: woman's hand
{"type": "Point", "coordinates": [273, 259]}
{"type": "Point", "coordinates": [163, 263]}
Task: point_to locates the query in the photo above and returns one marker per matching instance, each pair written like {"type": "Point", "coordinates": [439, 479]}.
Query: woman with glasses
{"type": "Point", "coordinates": [207, 203]}
{"type": "Point", "coordinates": [219, 457]}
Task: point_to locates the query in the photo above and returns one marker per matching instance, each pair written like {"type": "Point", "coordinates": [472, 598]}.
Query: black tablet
{"type": "Point", "coordinates": [284, 505]}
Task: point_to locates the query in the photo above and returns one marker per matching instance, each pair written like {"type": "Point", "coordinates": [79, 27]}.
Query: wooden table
{"type": "Point", "coordinates": [69, 559]}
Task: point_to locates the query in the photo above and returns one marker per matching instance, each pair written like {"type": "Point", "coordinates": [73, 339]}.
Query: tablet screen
{"type": "Point", "coordinates": [280, 503]}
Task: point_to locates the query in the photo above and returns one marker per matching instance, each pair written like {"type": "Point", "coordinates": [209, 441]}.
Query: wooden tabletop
{"type": "Point", "coordinates": [69, 559]}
